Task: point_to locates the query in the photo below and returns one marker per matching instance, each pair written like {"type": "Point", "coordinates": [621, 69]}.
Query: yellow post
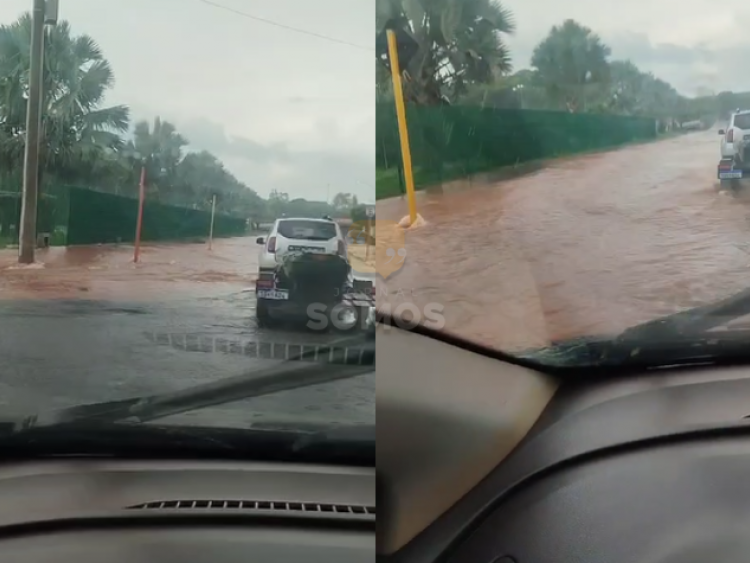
{"type": "Point", "coordinates": [398, 94]}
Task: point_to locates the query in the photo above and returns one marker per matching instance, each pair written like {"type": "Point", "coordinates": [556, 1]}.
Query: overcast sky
{"type": "Point", "coordinates": [295, 113]}
{"type": "Point", "coordinates": [281, 109]}
{"type": "Point", "coordinates": [690, 43]}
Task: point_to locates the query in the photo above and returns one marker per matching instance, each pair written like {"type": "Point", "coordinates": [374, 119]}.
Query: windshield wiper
{"type": "Point", "coordinates": [322, 443]}
{"type": "Point", "coordinates": [696, 320]}
{"type": "Point", "coordinates": [680, 338]}
{"type": "Point", "coordinates": [301, 371]}
{"type": "Point", "coordinates": [630, 353]}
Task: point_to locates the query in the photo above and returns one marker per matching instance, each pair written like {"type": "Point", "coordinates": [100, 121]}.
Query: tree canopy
{"type": "Point", "coordinates": [462, 58]}
{"type": "Point", "coordinates": [88, 144]}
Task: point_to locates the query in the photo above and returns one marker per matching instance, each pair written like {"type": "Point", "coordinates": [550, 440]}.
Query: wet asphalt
{"type": "Point", "coordinates": [58, 353]}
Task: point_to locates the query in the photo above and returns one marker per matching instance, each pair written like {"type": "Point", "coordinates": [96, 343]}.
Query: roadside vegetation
{"type": "Point", "coordinates": [88, 144]}
{"type": "Point", "coordinates": [460, 58]}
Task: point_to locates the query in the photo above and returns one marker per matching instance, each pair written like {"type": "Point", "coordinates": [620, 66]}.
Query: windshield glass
{"type": "Point", "coordinates": [310, 230]}
{"type": "Point", "coordinates": [145, 156]}
{"type": "Point", "coordinates": [566, 168]}
{"type": "Point", "coordinates": [742, 121]}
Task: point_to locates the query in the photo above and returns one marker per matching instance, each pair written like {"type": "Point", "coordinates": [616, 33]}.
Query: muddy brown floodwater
{"type": "Point", "coordinates": [165, 271]}
{"type": "Point", "coordinates": [587, 245]}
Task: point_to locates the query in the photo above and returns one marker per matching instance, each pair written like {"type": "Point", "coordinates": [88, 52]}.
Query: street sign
{"type": "Point", "coordinates": [371, 211]}
{"type": "Point", "coordinates": [51, 12]}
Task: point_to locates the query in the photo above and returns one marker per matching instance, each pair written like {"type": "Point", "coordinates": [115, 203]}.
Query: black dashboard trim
{"type": "Point", "coordinates": [585, 421]}
{"type": "Point", "coordinates": [712, 432]}
{"type": "Point", "coordinates": [345, 446]}
{"type": "Point", "coordinates": [733, 353]}
{"type": "Point", "coordinates": [195, 518]}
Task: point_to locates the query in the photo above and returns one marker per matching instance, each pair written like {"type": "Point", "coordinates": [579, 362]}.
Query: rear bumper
{"type": "Point", "coordinates": [296, 307]}
{"type": "Point", "coordinates": [361, 311]}
{"type": "Point", "coordinates": [731, 169]}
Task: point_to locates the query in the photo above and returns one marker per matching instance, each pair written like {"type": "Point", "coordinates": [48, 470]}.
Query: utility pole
{"type": "Point", "coordinates": [213, 215]}
{"type": "Point", "coordinates": [139, 219]}
{"type": "Point", "coordinates": [43, 12]}
{"type": "Point", "coordinates": [27, 232]}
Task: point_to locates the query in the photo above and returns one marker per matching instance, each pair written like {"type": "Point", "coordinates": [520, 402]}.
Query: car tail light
{"type": "Point", "coordinates": [342, 248]}
{"type": "Point", "coordinates": [730, 135]}
{"type": "Point", "coordinates": [272, 245]}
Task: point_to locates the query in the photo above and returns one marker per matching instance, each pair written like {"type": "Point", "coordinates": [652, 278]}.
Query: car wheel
{"type": "Point", "coordinates": [346, 318]}
{"type": "Point", "coordinates": [262, 315]}
{"type": "Point", "coordinates": [729, 185]}
{"type": "Point", "coordinates": [733, 186]}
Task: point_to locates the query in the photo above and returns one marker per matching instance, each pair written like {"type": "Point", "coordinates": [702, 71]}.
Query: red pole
{"type": "Point", "coordinates": [139, 224]}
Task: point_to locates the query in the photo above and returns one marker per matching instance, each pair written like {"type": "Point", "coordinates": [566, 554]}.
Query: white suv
{"type": "Point", "coordinates": [299, 234]}
{"type": "Point", "coordinates": [735, 147]}
{"type": "Point", "coordinates": [313, 236]}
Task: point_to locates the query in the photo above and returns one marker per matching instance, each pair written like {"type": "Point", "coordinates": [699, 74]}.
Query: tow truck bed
{"type": "Point", "coordinates": [358, 299]}
{"type": "Point", "coordinates": [362, 293]}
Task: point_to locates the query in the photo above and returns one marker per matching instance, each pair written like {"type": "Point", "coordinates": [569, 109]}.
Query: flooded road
{"type": "Point", "coordinates": [589, 244]}
{"type": "Point", "coordinates": [164, 271]}
{"type": "Point", "coordinates": [59, 353]}
{"type": "Point", "coordinates": [88, 325]}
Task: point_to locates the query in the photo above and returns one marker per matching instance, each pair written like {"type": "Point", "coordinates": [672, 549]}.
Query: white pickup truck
{"type": "Point", "coordinates": [735, 149]}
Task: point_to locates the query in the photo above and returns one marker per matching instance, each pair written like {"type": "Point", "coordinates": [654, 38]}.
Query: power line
{"type": "Point", "coordinates": [287, 27]}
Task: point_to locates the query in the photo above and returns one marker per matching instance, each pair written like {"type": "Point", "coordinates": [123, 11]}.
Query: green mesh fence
{"type": "Point", "coordinates": [10, 216]}
{"type": "Point", "coordinates": [96, 217]}
{"type": "Point", "coordinates": [457, 141]}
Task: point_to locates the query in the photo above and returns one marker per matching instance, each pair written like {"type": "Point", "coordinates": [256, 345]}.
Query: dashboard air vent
{"type": "Point", "coordinates": [255, 505]}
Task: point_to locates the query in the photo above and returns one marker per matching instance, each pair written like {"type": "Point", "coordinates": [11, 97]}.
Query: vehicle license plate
{"type": "Point", "coordinates": [275, 294]}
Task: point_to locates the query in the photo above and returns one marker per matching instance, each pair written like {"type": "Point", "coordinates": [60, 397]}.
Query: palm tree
{"type": "Point", "coordinates": [383, 84]}
{"type": "Point", "coordinates": [75, 128]}
{"type": "Point", "coordinates": [459, 43]}
{"type": "Point", "coordinates": [161, 145]}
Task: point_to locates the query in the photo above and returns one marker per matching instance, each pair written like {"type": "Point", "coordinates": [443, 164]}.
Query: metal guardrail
{"type": "Point", "coordinates": [264, 349]}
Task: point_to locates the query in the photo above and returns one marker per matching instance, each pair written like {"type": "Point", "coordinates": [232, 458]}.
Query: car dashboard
{"type": "Point", "coordinates": [649, 467]}
{"type": "Point", "coordinates": [219, 512]}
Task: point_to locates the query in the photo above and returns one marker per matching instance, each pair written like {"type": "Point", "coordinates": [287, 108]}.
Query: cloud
{"type": "Point", "coordinates": [205, 134]}
{"type": "Point", "coordinates": [638, 46]}
{"type": "Point", "coordinates": [282, 109]}
{"type": "Point", "coordinates": [689, 68]}
{"type": "Point", "coordinates": [277, 166]}
{"type": "Point", "coordinates": [695, 48]}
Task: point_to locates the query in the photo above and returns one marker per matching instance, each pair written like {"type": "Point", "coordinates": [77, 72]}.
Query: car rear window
{"type": "Point", "coordinates": [742, 121]}
{"type": "Point", "coordinates": [307, 230]}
